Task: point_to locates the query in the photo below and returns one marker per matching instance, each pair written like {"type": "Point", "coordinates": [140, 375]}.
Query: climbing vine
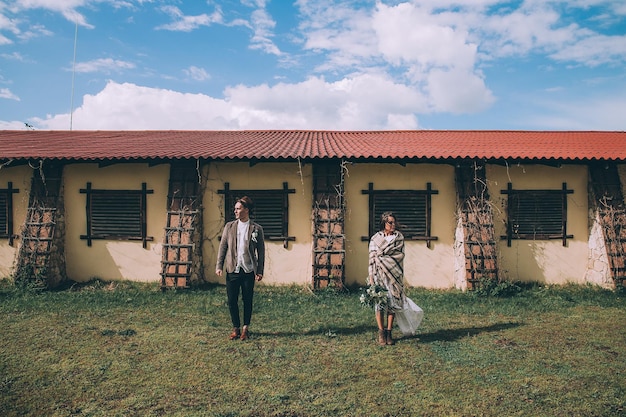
{"type": "Point", "coordinates": [613, 221]}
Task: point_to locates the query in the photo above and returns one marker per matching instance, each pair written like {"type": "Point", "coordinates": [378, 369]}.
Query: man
{"type": "Point", "coordinates": [242, 254]}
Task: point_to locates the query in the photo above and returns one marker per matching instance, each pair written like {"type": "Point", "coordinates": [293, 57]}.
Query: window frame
{"type": "Point", "coordinates": [260, 195]}
{"type": "Point", "coordinates": [410, 230]}
{"type": "Point", "coordinates": [513, 217]}
{"type": "Point", "coordinates": [6, 208]}
{"type": "Point", "coordinates": [140, 217]}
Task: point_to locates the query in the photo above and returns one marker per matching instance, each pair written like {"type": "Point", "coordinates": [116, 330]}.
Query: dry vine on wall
{"type": "Point", "coordinates": [613, 221]}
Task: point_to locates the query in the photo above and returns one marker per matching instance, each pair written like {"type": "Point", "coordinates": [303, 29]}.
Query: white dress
{"type": "Point", "coordinates": [409, 318]}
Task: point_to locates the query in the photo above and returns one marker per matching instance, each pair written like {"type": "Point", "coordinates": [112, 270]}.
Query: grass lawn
{"type": "Point", "coordinates": [127, 349]}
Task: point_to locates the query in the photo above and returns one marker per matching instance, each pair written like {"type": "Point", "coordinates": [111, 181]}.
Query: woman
{"type": "Point", "coordinates": [386, 256]}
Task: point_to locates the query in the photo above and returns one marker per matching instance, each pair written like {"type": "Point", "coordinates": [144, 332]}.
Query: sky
{"type": "Point", "coordinates": [312, 65]}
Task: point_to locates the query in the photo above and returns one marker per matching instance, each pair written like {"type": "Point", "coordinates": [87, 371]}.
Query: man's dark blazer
{"type": "Point", "coordinates": [227, 252]}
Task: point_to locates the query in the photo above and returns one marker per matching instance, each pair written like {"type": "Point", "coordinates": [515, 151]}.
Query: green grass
{"type": "Point", "coordinates": [129, 350]}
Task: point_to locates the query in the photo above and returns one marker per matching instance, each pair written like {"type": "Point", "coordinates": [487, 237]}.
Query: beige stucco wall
{"type": "Point", "coordinates": [545, 261]}
{"type": "Point", "coordinates": [21, 177]}
{"type": "Point", "coordinates": [113, 259]}
{"type": "Point", "coordinates": [434, 267]}
{"type": "Point", "coordinates": [290, 265]}
{"type": "Point", "coordinates": [424, 267]}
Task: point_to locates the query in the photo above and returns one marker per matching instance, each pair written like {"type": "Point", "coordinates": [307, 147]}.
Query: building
{"type": "Point", "coordinates": [150, 205]}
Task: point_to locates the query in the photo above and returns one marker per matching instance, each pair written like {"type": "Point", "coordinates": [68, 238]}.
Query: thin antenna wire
{"type": "Point", "coordinates": [73, 73]}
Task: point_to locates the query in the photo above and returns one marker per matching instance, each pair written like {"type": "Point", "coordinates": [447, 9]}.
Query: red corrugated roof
{"type": "Point", "coordinates": [283, 144]}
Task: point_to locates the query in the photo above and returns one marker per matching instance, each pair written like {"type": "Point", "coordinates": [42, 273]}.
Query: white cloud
{"type": "Point", "coordinates": [131, 107]}
{"type": "Point", "coordinates": [431, 33]}
{"type": "Point", "coordinates": [34, 31]}
{"type": "Point", "coordinates": [616, 6]}
{"type": "Point", "coordinates": [538, 27]}
{"type": "Point", "coordinates": [343, 33]}
{"type": "Point", "coordinates": [358, 102]}
{"type": "Point", "coordinates": [15, 56]}
{"type": "Point", "coordinates": [105, 65]}
{"type": "Point", "coordinates": [426, 40]}
{"type": "Point", "coordinates": [388, 63]}
{"type": "Point", "coordinates": [254, 3]}
{"type": "Point", "coordinates": [594, 50]}
{"type": "Point", "coordinates": [457, 91]}
{"type": "Point", "coordinates": [429, 52]}
{"type": "Point", "coordinates": [620, 8]}
{"type": "Point", "coordinates": [362, 102]}
{"type": "Point", "coordinates": [67, 8]}
{"type": "Point", "coordinates": [183, 23]}
{"type": "Point", "coordinates": [50, 4]}
{"type": "Point", "coordinates": [196, 73]}
{"type": "Point", "coordinates": [402, 122]}
{"type": "Point", "coordinates": [6, 93]}
{"type": "Point", "coordinates": [9, 25]}
{"type": "Point", "coordinates": [263, 24]}
{"type": "Point", "coordinates": [15, 125]}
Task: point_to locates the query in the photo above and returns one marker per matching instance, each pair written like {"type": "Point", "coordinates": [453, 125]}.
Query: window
{"type": "Point", "coordinates": [271, 209]}
{"type": "Point", "coordinates": [116, 214]}
{"type": "Point", "coordinates": [6, 212]}
{"type": "Point", "coordinates": [537, 214]}
{"type": "Point", "coordinates": [328, 184]}
{"type": "Point", "coordinates": [413, 208]}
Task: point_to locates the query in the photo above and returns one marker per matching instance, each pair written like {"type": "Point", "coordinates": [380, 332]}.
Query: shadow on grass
{"type": "Point", "coordinates": [326, 331]}
{"type": "Point", "coordinates": [449, 335]}
{"type": "Point", "coordinates": [446, 335]}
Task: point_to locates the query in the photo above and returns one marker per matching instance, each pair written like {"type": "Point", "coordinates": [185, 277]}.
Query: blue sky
{"type": "Point", "coordinates": [313, 64]}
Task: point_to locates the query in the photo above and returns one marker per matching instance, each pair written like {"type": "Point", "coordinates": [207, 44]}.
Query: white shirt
{"type": "Point", "coordinates": [244, 260]}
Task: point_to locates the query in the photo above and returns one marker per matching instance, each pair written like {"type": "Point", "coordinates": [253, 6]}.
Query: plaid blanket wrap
{"type": "Point", "coordinates": [386, 267]}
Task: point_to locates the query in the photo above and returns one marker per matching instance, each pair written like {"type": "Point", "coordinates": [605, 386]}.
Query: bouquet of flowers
{"type": "Point", "coordinates": [373, 295]}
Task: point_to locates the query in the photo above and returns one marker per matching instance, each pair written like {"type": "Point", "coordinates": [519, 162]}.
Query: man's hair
{"type": "Point", "coordinates": [246, 202]}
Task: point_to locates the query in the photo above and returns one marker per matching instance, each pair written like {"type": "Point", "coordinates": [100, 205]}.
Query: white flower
{"type": "Point", "coordinates": [374, 295]}
{"type": "Point", "coordinates": [254, 235]}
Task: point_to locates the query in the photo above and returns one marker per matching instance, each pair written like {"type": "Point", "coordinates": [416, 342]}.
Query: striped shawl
{"type": "Point", "coordinates": [386, 267]}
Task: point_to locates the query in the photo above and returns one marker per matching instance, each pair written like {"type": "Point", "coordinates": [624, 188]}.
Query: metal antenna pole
{"type": "Point", "coordinates": [73, 74]}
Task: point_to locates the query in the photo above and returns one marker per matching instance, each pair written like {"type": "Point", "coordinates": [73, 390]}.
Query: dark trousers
{"type": "Point", "coordinates": [235, 283]}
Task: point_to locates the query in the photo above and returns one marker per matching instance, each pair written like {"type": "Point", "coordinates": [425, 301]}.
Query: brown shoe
{"type": "Point", "coordinates": [389, 338]}
{"type": "Point", "coordinates": [382, 337]}
{"type": "Point", "coordinates": [234, 334]}
{"type": "Point", "coordinates": [244, 334]}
